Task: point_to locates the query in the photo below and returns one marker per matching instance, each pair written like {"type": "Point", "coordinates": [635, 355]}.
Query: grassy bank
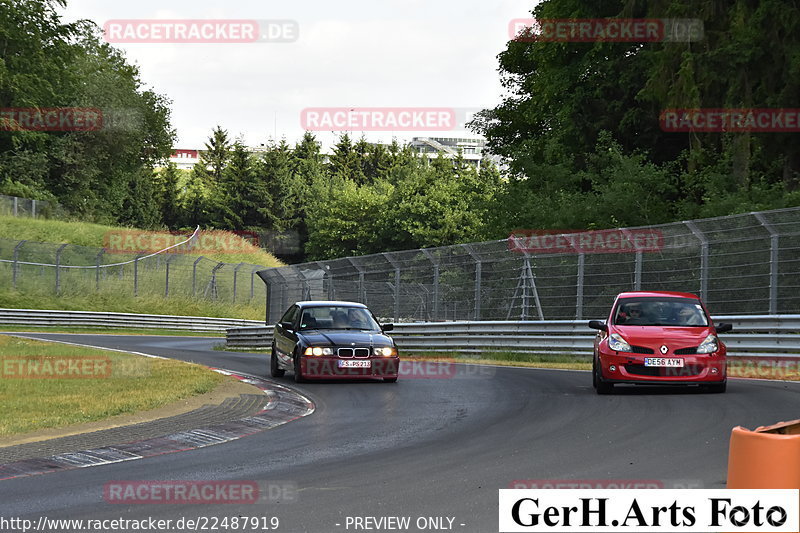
{"type": "Point", "coordinates": [108, 301]}
{"type": "Point", "coordinates": [97, 236]}
{"type": "Point", "coordinates": [47, 385]}
{"type": "Point", "coordinates": [111, 331]}
{"type": "Point", "coordinates": [563, 361]}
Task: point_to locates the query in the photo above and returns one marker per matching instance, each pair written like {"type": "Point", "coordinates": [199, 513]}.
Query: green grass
{"type": "Point", "coordinates": [128, 384]}
{"type": "Point", "coordinates": [111, 331]}
{"type": "Point", "coordinates": [141, 288]}
{"type": "Point", "coordinates": [110, 301]}
{"type": "Point", "coordinates": [94, 235]}
{"type": "Point", "coordinates": [555, 360]}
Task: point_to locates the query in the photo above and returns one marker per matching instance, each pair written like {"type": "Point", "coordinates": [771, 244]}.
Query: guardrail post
{"type": "Point", "coordinates": [774, 237]}
{"type": "Point", "coordinates": [235, 275]}
{"type": "Point", "coordinates": [97, 261]}
{"type": "Point", "coordinates": [579, 286]}
{"type": "Point", "coordinates": [15, 267]}
{"type": "Point", "coordinates": [703, 258]}
{"type": "Point", "coordinates": [58, 267]}
{"type": "Point", "coordinates": [435, 264]}
{"type": "Point", "coordinates": [194, 276]}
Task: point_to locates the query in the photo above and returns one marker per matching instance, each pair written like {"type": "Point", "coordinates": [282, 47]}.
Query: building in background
{"type": "Point", "coordinates": [185, 159]}
{"type": "Point", "coordinates": [472, 150]}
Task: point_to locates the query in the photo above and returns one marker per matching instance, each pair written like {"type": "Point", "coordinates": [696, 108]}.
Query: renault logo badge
{"type": "Point", "coordinates": [664, 349]}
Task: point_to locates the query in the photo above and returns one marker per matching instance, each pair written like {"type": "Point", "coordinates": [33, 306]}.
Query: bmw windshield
{"type": "Point", "coordinates": [338, 318]}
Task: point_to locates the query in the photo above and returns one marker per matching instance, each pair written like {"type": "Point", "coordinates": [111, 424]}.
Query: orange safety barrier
{"type": "Point", "coordinates": [767, 458]}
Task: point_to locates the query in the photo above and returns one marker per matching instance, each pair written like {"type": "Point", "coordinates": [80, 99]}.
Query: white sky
{"type": "Point", "coordinates": [350, 53]}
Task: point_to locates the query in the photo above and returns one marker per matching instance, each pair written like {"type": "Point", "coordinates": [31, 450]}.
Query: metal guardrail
{"type": "Point", "coordinates": [37, 317]}
{"type": "Point", "coordinates": [752, 336]}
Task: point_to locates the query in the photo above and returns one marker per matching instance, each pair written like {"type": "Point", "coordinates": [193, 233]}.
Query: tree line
{"type": "Point", "coordinates": [580, 124]}
{"type": "Point", "coordinates": [364, 198]}
{"type": "Point", "coordinates": [578, 130]}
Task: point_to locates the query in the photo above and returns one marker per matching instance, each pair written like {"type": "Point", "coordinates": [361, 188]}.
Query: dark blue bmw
{"type": "Point", "coordinates": [333, 340]}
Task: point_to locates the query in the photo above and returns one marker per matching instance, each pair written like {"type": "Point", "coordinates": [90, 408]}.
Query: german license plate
{"type": "Point", "coordinates": [662, 362]}
{"type": "Point", "coordinates": [355, 364]}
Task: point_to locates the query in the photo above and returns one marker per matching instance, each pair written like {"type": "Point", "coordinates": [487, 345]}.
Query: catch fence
{"type": "Point", "coordinates": [740, 264]}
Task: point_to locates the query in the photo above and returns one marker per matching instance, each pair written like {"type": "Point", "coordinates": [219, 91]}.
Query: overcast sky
{"type": "Point", "coordinates": [350, 53]}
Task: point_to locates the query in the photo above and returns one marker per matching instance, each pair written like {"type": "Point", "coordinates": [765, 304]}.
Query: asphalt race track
{"type": "Point", "coordinates": [435, 447]}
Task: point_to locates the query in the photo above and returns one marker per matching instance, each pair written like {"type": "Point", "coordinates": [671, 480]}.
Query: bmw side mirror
{"type": "Point", "coordinates": [598, 324]}
{"type": "Point", "coordinates": [387, 327]}
{"type": "Point", "coordinates": [722, 328]}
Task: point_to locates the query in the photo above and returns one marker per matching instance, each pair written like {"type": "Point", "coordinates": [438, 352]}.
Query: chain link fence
{"type": "Point", "coordinates": [25, 207]}
{"type": "Point", "coordinates": [741, 264]}
{"type": "Point", "coordinates": [64, 269]}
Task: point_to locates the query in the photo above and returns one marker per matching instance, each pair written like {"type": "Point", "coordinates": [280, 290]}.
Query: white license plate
{"type": "Point", "coordinates": [660, 361]}
{"type": "Point", "coordinates": [355, 364]}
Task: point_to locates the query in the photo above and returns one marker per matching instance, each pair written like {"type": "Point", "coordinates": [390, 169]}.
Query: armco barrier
{"type": "Point", "coordinates": [767, 458]}
{"type": "Point", "coordinates": [752, 336]}
{"type": "Point", "coordinates": [38, 317]}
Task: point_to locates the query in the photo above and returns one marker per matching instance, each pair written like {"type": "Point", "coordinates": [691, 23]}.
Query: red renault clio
{"type": "Point", "coordinates": [658, 338]}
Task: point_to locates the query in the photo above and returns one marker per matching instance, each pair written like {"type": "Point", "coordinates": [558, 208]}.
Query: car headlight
{"type": "Point", "coordinates": [384, 351]}
{"type": "Point", "coordinates": [618, 344]}
{"type": "Point", "coordinates": [316, 350]}
{"type": "Point", "coordinates": [709, 345]}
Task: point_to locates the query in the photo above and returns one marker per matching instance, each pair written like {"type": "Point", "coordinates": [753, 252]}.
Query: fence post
{"type": "Point", "coordinates": [703, 258]}
{"type": "Point", "coordinates": [637, 273]}
{"type": "Point", "coordinates": [579, 284]}
{"type": "Point", "coordinates": [15, 206]}
{"type": "Point", "coordinates": [252, 282]}
{"type": "Point", "coordinates": [331, 288]}
{"type": "Point", "coordinates": [478, 276]}
{"type": "Point", "coordinates": [194, 275]}
{"type": "Point", "coordinates": [435, 264]}
{"type": "Point", "coordinates": [136, 275]}
{"type": "Point", "coordinates": [396, 285]}
{"type": "Point", "coordinates": [15, 267]}
{"type": "Point", "coordinates": [362, 293]}
{"type": "Point", "coordinates": [58, 267]}
{"type": "Point", "coordinates": [97, 261]}
{"type": "Point", "coordinates": [33, 208]}
{"type": "Point", "coordinates": [213, 283]}
{"type": "Point", "coordinates": [235, 275]}
{"type": "Point", "coordinates": [774, 237]}
{"type": "Point", "coordinates": [166, 280]}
